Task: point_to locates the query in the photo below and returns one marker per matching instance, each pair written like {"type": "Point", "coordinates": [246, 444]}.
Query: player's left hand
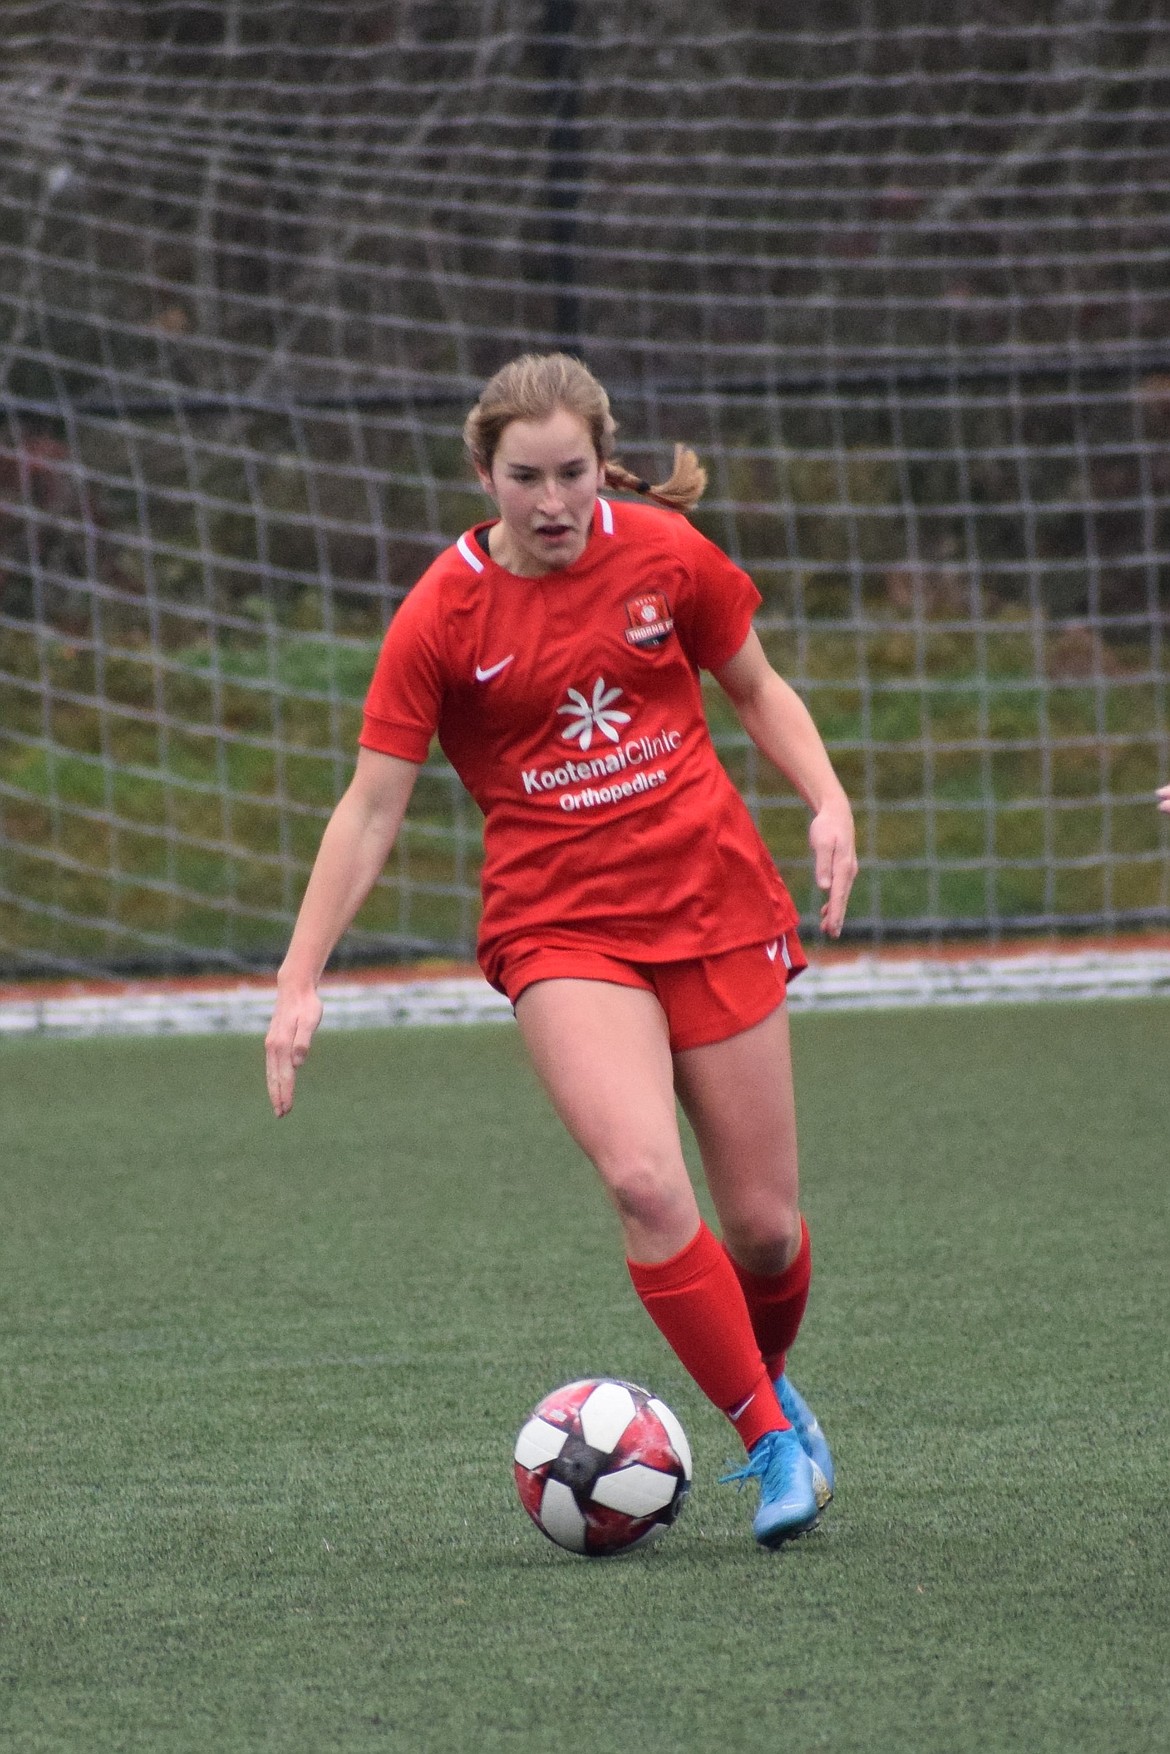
{"type": "Point", "coordinates": [834, 850]}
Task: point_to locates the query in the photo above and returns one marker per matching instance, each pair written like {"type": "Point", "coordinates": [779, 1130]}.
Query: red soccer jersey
{"type": "Point", "coordinates": [570, 707]}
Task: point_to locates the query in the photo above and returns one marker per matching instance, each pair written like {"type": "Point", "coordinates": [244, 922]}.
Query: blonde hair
{"type": "Point", "coordinates": [534, 387]}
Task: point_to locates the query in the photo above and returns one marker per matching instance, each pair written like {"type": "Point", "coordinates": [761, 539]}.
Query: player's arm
{"type": "Point", "coordinates": [354, 848]}
{"type": "Point", "coordinates": [781, 727]}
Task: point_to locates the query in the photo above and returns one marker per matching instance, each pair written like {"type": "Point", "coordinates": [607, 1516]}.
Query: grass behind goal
{"type": "Point", "coordinates": [111, 852]}
{"type": "Point", "coordinates": [261, 1382]}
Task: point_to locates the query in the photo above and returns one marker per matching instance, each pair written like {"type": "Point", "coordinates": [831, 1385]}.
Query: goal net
{"type": "Point", "coordinates": [903, 285]}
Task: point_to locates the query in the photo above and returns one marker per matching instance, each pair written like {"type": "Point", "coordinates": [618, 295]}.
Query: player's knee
{"type": "Point", "coordinates": [646, 1192]}
{"type": "Point", "coordinates": [765, 1239]}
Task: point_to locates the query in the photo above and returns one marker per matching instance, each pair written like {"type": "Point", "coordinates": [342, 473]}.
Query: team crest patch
{"type": "Point", "coordinates": [650, 620]}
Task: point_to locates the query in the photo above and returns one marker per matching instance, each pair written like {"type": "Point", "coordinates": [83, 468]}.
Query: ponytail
{"type": "Point", "coordinates": [683, 488]}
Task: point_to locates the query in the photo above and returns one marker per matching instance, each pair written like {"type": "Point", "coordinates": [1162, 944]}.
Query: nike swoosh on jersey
{"type": "Point", "coordinates": [485, 675]}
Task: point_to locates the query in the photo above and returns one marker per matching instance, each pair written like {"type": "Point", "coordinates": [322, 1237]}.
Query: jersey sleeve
{"type": "Point", "coordinates": [405, 696]}
{"type": "Point", "coordinates": [717, 617]}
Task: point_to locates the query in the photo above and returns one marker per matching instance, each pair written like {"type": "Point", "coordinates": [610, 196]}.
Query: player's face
{"type": "Point", "coordinates": [544, 477]}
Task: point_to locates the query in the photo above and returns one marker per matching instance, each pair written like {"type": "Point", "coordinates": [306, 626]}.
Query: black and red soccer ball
{"type": "Point", "coordinates": [602, 1466]}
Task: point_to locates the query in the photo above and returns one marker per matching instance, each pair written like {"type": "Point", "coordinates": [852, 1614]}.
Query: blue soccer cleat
{"type": "Point", "coordinates": [812, 1439]}
{"type": "Point", "coordinates": [788, 1498]}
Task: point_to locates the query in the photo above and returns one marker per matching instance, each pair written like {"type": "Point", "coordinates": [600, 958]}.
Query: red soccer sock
{"type": "Point", "coordinates": [776, 1303]}
{"type": "Point", "coordinates": [695, 1301]}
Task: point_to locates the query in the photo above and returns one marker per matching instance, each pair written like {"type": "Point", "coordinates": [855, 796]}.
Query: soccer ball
{"type": "Point", "coordinates": [602, 1466]}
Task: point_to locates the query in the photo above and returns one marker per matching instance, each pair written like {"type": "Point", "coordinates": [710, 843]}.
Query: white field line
{"type": "Point", "coordinates": [866, 983]}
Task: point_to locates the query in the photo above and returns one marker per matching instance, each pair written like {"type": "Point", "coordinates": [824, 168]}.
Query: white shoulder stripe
{"type": "Point", "coordinates": [469, 554]}
{"type": "Point", "coordinates": [606, 515]}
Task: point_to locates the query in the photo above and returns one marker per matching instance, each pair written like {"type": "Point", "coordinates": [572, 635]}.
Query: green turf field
{"type": "Point", "coordinates": [261, 1381]}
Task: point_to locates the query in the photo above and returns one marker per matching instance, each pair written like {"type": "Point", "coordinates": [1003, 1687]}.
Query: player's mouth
{"type": "Point", "coordinates": [554, 532]}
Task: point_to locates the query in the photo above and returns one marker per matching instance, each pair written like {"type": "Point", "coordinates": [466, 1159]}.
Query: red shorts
{"type": "Point", "coordinates": [706, 999]}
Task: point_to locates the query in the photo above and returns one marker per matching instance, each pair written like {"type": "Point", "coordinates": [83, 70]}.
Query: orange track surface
{"type": "Point", "coordinates": [437, 969]}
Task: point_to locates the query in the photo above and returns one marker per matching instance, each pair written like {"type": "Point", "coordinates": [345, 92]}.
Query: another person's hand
{"type": "Point", "coordinates": [832, 841]}
{"type": "Point", "coordinates": [290, 1035]}
{"type": "Point", "coordinates": [1164, 799]}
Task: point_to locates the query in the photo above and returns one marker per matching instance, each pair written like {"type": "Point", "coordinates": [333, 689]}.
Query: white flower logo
{"type": "Point", "coordinates": [593, 715]}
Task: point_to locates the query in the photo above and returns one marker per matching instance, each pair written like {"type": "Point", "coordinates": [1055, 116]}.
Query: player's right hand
{"type": "Point", "coordinates": [290, 1035]}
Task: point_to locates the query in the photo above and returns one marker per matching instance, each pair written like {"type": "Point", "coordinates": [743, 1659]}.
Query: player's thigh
{"type": "Point", "coordinates": [603, 1054]}
{"type": "Point", "coordinates": [738, 1097]}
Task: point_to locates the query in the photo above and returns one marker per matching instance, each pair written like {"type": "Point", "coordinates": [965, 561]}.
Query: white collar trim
{"type": "Point", "coordinates": [469, 554]}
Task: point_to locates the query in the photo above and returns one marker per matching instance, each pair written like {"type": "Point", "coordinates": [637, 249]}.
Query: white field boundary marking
{"type": "Point", "coordinates": [867, 982]}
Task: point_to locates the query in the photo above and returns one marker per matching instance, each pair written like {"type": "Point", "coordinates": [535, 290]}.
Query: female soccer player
{"type": "Point", "coordinates": [631, 912]}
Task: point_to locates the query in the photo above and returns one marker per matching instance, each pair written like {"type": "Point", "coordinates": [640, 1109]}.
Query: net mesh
{"type": "Point", "coordinates": [903, 285]}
